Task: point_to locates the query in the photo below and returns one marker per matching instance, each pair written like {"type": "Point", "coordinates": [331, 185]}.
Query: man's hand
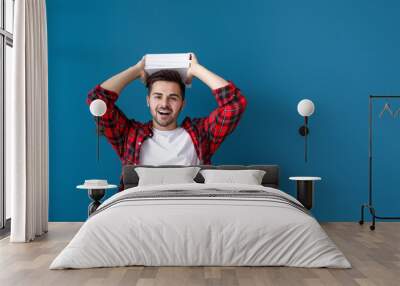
{"type": "Point", "coordinates": [140, 68]}
{"type": "Point", "coordinates": [192, 66]}
{"type": "Point", "coordinates": [209, 78]}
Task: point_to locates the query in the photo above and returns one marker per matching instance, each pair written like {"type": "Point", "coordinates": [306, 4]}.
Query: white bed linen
{"type": "Point", "coordinates": [200, 231]}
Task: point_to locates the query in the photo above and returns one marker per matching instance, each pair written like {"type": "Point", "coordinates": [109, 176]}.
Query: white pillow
{"type": "Point", "coordinates": [163, 176]}
{"type": "Point", "coordinates": [248, 177]}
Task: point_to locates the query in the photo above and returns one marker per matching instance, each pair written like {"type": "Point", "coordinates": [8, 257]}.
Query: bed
{"type": "Point", "coordinates": [201, 224]}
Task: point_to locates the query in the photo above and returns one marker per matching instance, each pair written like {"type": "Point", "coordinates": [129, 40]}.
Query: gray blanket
{"type": "Point", "coordinates": [203, 194]}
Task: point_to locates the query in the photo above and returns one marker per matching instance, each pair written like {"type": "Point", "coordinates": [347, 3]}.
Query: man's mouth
{"type": "Point", "coordinates": [164, 112]}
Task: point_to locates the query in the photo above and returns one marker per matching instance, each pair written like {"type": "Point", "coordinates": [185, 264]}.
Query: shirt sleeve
{"type": "Point", "coordinates": [114, 125]}
{"type": "Point", "coordinates": [224, 119]}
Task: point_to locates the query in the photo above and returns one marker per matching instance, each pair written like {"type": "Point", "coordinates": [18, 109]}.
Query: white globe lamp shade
{"type": "Point", "coordinates": [305, 107]}
{"type": "Point", "coordinates": [98, 107]}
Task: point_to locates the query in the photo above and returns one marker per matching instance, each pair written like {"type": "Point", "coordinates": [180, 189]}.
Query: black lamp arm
{"type": "Point", "coordinates": [303, 130]}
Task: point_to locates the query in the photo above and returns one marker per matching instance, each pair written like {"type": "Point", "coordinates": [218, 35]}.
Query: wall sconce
{"type": "Point", "coordinates": [305, 108]}
{"type": "Point", "coordinates": [98, 108]}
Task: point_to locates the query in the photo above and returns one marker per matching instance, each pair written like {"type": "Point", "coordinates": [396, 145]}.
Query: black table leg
{"type": "Point", "coordinates": [305, 193]}
{"type": "Point", "coordinates": [96, 195]}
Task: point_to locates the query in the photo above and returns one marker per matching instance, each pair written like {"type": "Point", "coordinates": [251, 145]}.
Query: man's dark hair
{"type": "Point", "coordinates": [166, 75]}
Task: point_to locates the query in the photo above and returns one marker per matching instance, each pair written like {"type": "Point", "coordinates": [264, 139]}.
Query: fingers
{"type": "Point", "coordinates": [189, 78]}
{"type": "Point", "coordinates": [141, 62]}
{"type": "Point", "coordinates": [143, 77]}
{"type": "Point", "coordinates": [192, 59]}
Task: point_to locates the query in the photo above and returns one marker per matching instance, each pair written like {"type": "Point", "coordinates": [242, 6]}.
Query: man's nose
{"type": "Point", "coordinates": [164, 102]}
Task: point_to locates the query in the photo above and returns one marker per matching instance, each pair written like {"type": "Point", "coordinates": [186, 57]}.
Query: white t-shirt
{"type": "Point", "coordinates": [171, 147]}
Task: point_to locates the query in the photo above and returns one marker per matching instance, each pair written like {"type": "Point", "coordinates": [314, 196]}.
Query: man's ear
{"type": "Point", "coordinates": [183, 104]}
{"type": "Point", "coordinates": [148, 100]}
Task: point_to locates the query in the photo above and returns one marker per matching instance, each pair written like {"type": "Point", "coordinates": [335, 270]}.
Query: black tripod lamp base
{"type": "Point", "coordinates": [95, 195]}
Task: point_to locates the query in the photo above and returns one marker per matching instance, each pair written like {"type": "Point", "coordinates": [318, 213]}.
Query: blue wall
{"type": "Point", "coordinates": [278, 52]}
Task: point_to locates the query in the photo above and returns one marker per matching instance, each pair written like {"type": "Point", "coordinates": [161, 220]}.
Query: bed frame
{"type": "Point", "coordinates": [270, 179]}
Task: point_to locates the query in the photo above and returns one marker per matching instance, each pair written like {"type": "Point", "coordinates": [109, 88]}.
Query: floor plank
{"type": "Point", "coordinates": [375, 257]}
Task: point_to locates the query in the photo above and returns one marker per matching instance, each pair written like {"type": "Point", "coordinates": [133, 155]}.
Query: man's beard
{"type": "Point", "coordinates": [166, 123]}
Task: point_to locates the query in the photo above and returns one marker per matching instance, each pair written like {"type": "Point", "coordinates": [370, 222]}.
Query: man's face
{"type": "Point", "coordinates": [165, 102]}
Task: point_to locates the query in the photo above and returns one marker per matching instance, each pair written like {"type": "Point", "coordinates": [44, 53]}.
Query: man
{"type": "Point", "coordinates": [161, 141]}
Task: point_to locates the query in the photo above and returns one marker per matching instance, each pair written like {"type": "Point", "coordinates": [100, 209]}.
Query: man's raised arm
{"type": "Point", "coordinates": [118, 82]}
{"type": "Point", "coordinates": [231, 105]}
{"type": "Point", "coordinates": [114, 125]}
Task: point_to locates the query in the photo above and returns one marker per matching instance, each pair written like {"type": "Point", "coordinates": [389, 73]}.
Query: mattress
{"type": "Point", "coordinates": [201, 225]}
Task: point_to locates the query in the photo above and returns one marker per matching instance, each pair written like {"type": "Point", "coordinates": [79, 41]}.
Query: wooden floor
{"type": "Point", "coordinates": [375, 257]}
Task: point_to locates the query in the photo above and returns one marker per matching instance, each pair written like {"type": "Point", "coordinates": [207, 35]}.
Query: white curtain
{"type": "Point", "coordinates": [27, 123]}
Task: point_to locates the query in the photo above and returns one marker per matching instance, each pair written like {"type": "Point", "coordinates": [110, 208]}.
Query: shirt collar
{"type": "Point", "coordinates": [148, 128]}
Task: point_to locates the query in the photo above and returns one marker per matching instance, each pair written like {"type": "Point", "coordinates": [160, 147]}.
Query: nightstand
{"type": "Point", "coordinates": [96, 190]}
{"type": "Point", "coordinates": [305, 189]}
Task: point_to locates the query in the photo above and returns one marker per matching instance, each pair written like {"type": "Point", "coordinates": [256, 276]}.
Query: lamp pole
{"type": "Point", "coordinates": [98, 138]}
{"type": "Point", "coordinates": [305, 108]}
{"type": "Point", "coordinates": [98, 108]}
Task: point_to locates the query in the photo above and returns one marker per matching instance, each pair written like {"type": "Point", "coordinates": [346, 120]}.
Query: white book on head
{"type": "Point", "coordinates": [177, 62]}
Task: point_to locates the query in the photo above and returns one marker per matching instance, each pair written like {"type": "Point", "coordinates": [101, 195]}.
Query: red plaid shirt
{"type": "Point", "coordinates": [127, 135]}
